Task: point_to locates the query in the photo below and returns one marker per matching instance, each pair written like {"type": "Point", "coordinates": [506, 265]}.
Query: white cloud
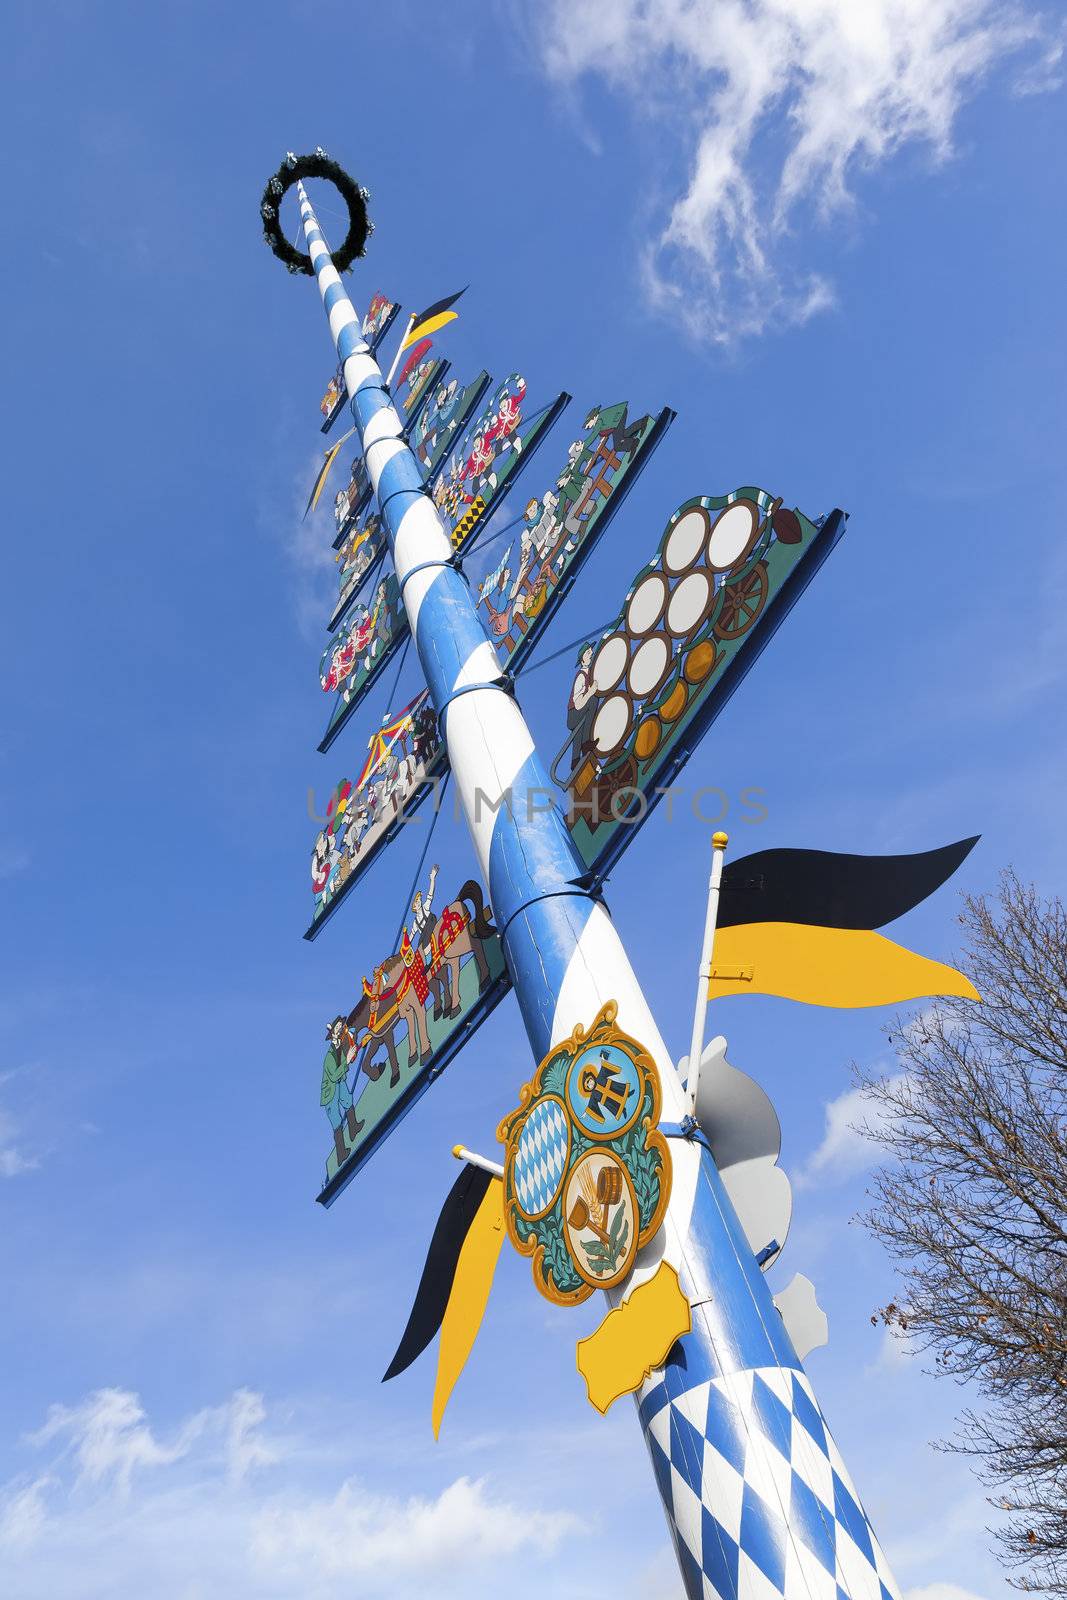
{"type": "Point", "coordinates": [845, 1149]}
{"type": "Point", "coordinates": [359, 1534]}
{"type": "Point", "coordinates": [13, 1159]}
{"type": "Point", "coordinates": [894, 1355]}
{"type": "Point", "coordinates": [780, 105]}
{"type": "Point", "coordinates": [222, 1503]}
{"type": "Point", "coordinates": [941, 1591]}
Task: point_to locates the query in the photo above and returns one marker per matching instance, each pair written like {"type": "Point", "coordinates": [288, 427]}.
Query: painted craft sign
{"type": "Point", "coordinates": [482, 467]}
{"type": "Point", "coordinates": [404, 757]}
{"type": "Point", "coordinates": [519, 584]}
{"type": "Point", "coordinates": [443, 419]}
{"type": "Point", "coordinates": [360, 549]}
{"type": "Point", "coordinates": [359, 650]}
{"type": "Point", "coordinates": [350, 501]}
{"type": "Point", "coordinates": [727, 571]}
{"type": "Point", "coordinates": [381, 314]}
{"type": "Point", "coordinates": [422, 380]}
{"type": "Point", "coordinates": [419, 1005]}
{"type": "Point", "coordinates": [333, 401]}
{"type": "Point", "coordinates": [587, 1176]}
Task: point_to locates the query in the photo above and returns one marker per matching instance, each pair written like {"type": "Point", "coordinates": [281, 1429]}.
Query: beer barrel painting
{"type": "Point", "coordinates": [727, 570]}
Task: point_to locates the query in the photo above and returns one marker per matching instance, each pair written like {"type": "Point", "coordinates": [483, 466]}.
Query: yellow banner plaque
{"type": "Point", "coordinates": [634, 1339]}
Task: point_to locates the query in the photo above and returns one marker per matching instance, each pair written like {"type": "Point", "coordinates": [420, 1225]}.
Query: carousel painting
{"type": "Point", "coordinates": [443, 419]}
{"type": "Point", "coordinates": [405, 759]}
{"type": "Point", "coordinates": [482, 466]}
{"type": "Point", "coordinates": [333, 401]}
{"type": "Point", "coordinates": [696, 617]}
{"type": "Point", "coordinates": [520, 581]}
{"type": "Point", "coordinates": [362, 547]}
{"type": "Point", "coordinates": [420, 1003]}
{"type": "Point", "coordinates": [381, 314]}
{"type": "Point", "coordinates": [358, 651]}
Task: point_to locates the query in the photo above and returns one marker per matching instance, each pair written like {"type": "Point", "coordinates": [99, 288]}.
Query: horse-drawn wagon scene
{"type": "Point", "coordinates": [393, 1038]}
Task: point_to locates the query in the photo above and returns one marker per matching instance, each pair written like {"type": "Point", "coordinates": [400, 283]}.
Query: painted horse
{"type": "Point", "coordinates": [402, 985]}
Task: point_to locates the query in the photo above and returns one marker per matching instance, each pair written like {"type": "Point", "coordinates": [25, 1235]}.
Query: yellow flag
{"type": "Point", "coordinates": [826, 966]}
{"type": "Point", "coordinates": [468, 1297]}
{"type": "Point", "coordinates": [324, 471]}
{"type": "Point", "coordinates": [431, 319]}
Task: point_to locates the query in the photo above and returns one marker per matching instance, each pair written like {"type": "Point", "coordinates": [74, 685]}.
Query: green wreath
{"type": "Point", "coordinates": [355, 197]}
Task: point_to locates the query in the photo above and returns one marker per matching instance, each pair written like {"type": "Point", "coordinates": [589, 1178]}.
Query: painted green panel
{"type": "Point", "coordinates": [443, 419]}
{"type": "Point", "coordinates": [520, 579]}
{"type": "Point", "coordinates": [405, 760]}
{"type": "Point", "coordinates": [420, 1003]}
{"type": "Point", "coordinates": [360, 549]}
{"type": "Point", "coordinates": [643, 694]}
{"type": "Point", "coordinates": [484, 463]}
{"type": "Point", "coordinates": [358, 652]}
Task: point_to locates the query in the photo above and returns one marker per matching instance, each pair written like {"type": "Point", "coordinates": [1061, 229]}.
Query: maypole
{"type": "Point", "coordinates": [755, 1491]}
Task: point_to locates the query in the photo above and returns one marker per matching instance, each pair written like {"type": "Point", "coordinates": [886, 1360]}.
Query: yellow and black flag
{"type": "Point", "coordinates": [454, 1289]}
{"type": "Point", "coordinates": [324, 472]}
{"type": "Point", "coordinates": [801, 924]}
{"type": "Point", "coordinates": [431, 319]}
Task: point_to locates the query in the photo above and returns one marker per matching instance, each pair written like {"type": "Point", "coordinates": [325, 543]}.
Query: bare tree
{"type": "Point", "coordinates": [973, 1207]}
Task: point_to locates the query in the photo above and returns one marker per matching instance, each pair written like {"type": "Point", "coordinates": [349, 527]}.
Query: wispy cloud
{"type": "Point", "coordinates": [941, 1591]}
{"type": "Point", "coordinates": [220, 1503]}
{"type": "Point", "coordinates": [14, 1159]}
{"type": "Point", "coordinates": [307, 541]}
{"type": "Point", "coordinates": [845, 1149]}
{"type": "Point", "coordinates": [779, 105]}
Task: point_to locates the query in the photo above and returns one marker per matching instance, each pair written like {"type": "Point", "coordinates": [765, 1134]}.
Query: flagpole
{"type": "Point", "coordinates": [399, 352]}
{"type": "Point", "coordinates": [473, 1159]}
{"type": "Point", "coordinates": [730, 1421]}
{"type": "Point", "coordinates": [719, 841]}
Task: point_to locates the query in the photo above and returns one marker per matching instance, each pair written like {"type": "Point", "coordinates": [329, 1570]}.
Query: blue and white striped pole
{"type": "Point", "coordinates": [756, 1494]}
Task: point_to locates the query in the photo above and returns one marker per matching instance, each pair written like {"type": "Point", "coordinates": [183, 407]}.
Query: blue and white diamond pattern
{"type": "Point", "coordinates": [541, 1156]}
{"type": "Point", "coordinates": [757, 1492]}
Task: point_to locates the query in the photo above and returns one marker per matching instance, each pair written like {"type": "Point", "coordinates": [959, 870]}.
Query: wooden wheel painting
{"type": "Point", "coordinates": [612, 782]}
{"type": "Point", "coordinates": [742, 601]}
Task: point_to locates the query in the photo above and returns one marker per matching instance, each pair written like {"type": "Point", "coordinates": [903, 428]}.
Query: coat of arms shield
{"type": "Point", "coordinates": [587, 1176]}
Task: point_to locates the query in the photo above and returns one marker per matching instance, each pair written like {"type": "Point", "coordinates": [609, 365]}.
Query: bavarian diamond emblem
{"type": "Point", "coordinates": [541, 1157]}
{"type": "Point", "coordinates": [586, 1174]}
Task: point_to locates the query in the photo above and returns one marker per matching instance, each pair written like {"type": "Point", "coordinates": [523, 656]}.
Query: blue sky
{"type": "Point", "coordinates": [190, 1348]}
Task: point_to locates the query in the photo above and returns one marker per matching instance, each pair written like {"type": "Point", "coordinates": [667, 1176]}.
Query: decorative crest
{"type": "Point", "coordinates": [586, 1174]}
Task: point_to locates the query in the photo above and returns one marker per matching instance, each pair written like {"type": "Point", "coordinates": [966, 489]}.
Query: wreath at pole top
{"type": "Point", "coordinates": [355, 197]}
